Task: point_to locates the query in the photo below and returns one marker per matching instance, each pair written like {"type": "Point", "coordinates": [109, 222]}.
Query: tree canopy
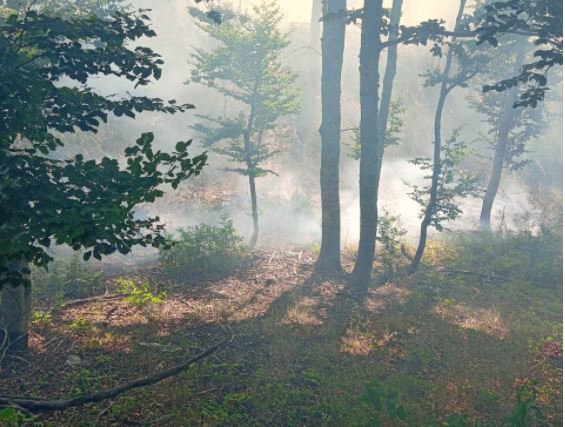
{"type": "Point", "coordinates": [46, 62]}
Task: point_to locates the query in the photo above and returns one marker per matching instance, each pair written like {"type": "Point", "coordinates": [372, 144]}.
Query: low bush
{"type": "Point", "coordinates": [389, 236]}
{"type": "Point", "coordinates": [138, 294]}
{"type": "Point", "coordinates": [67, 278]}
{"type": "Point", "coordinates": [519, 255]}
{"type": "Point", "coordinates": [205, 249]}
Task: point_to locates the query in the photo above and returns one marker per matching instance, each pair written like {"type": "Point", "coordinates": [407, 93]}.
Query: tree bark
{"type": "Point", "coordinates": [371, 142]}
{"type": "Point", "coordinates": [431, 208]}
{"type": "Point", "coordinates": [333, 40]}
{"type": "Point", "coordinates": [503, 136]}
{"type": "Point", "coordinates": [254, 212]}
{"type": "Point", "coordinates": [15, 310]}
{"type": "Point", "coordinates": [388, 82]}
{"type": "Point", "coordinates": [250, 165]}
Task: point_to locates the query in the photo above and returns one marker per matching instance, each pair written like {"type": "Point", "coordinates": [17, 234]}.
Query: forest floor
{"type": "Point", "coordinates": [442, 347]}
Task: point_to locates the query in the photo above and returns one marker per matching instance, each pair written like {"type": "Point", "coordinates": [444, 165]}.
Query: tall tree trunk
{"type": "Point", "coordinates": [388, 82]}
{"type": "Point", "coordinates": [310, 107]}
{"type": "Point", "coordinates": [371, 142]}
{"type": "Point", "coordinates": [333, 40]}
{"type": "Point", "coordinates": [503, 134]}
{"type": "Point", "coordinates": [15, 316]}
{"type": "Point", "coordinates": [431, 208]}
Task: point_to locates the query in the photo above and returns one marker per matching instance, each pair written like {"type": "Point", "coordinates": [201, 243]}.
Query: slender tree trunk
{"type": "Point", "coordinates": [254, 211]}
{"type": "Point", "coordinates": [503, 135]}
{"type": "Point", "coordinates": [388, 82]}
{"type": "Point", "coordinates": [494, 181]}
{"type": "Point", "coordinates": [431, 208]}
{"type": "Point", "coordinates": [371, 141]}
{"type": "Point", "coordinates": [250, 164]}
{"type": "Point", "coordinates": [15, 310]}
{"type": "Point", "coordinates": [333, 40]}
{"type": "Point", "coordinates": [252, 188]}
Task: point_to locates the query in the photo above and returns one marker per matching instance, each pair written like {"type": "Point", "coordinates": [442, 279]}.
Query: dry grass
{"type": "Point", "coordinates": [358, 343]}
{"type": "Point", "coordinates": [377, 299]}
{"type": "Point", "coordinates": [487, 320]}
{"type": "Point", "coordinates": [306, 312]}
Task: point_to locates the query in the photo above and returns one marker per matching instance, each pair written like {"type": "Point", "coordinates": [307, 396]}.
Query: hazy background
{"type": "Point", "coordinates": [289, 204]}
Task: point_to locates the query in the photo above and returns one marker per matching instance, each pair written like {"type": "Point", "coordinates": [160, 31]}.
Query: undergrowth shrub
{"type": "Point", "coordinates": [13, 417]}
{"type": "Point", "coordinates": [67, 278]}
{"type": "Point", "coordinates": [205, 249]}
{"type": "Point", "coordinates": [389, 236]}
{"type": "Point", "coordinates": [138, 294]}
{"type": "Point", "coordinates": [535, 258]}
{"type": "Point", "coordinates": [526, 412]}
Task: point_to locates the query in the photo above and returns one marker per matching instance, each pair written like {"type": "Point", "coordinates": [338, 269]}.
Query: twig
{"type": "Point", "coordinates": [91, 299]}
{"type": "Point", "coordinates": [105, 410]}
{"type": "Point", "coordinates": [271, 258]}
{"type": "Point", "coordinates": [59, 405]}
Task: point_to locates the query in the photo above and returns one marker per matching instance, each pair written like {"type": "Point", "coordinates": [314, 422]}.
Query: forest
{"type": "Point", "coordinates": [281, 213]}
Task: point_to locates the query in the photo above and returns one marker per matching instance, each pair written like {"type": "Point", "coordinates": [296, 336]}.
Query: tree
{"type": "Point", "coordinates": [447, 84]}
{"type": "Point", "coordinates": [511, 127]}
{"type": "Point", "coordinates": [333, 41]}
{"type": "Point", "coordinates": [370, 139]}
{"type": "Point", "coordinates": [85, 204]}
{"type": "Point", "coordinates": [246, 67]}
{"type": "Point", "coordinates": [451, 182]}
{"type": "Point", "coordinates": [384, 130]}
{"type": "Point", "coordinates": [70, 8]}
{"type": "Point", "coordinates": [543, 21]}
{"type": "Point", "coordinates": [389, 119]}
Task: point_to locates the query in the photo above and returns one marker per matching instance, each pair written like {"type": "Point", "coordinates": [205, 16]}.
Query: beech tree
{"type": "Point", "coordinates": [370, 140]}
{"type": "Point", "coordinates": [375, 135]}
{"type": "Point", "coordinates": [247, 67]}
{"type": "Point", "coordinates": [333, 41]}
{"type": "Point", "coordinates": [47, 61]}
{"type": "Point", "coordinates": [447, 84]}
{"type": "Point", "coordinates": [511, 127]}
{"type": "Point", "coordinates": [542, 21]}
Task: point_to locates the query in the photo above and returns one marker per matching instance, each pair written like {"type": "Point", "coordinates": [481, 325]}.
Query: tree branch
{"type": "Point", "coordinates": [37, 405]}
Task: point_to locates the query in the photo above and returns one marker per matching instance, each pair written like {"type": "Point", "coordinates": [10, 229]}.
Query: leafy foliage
{"type": "Point", "coordinates": [543, 21]}
{"type": "Point", "coordinates": [389, 234]}
{"type": "Point", "coordinates": [85, 204]}
{"type": "Point", "coordinates": [13, 417]}
{"type": "Point", "coordinates": [138, 294]}
{"type": "Point", "coordinates": [70, 8]}
{"type": "Point", "coordinates": [204, 249]}
{"type": "Point", "coordinates": [526, 412]}
{"type": "Point", "coordinates": [384, 398]}
{"type": "Point", "coordinates": [393, 130]}
{"type": "Point", "coordinates": [42, 318]}
{"type": "Point", "coordinates": [247, 67]}
{"type": "Point", "coordinates": [524, 124]}
{"type": "Point", "coordinates": [453, 183]}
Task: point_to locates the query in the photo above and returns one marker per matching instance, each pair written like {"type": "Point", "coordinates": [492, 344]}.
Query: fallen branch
{"type": "Point", "coordinates": [36, 405]}
{"type": "Point", "coordinates": [81, 301]}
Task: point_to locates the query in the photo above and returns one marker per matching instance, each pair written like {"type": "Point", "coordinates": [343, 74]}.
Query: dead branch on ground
{"type": "Point", "coordinates": [39, 405]}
